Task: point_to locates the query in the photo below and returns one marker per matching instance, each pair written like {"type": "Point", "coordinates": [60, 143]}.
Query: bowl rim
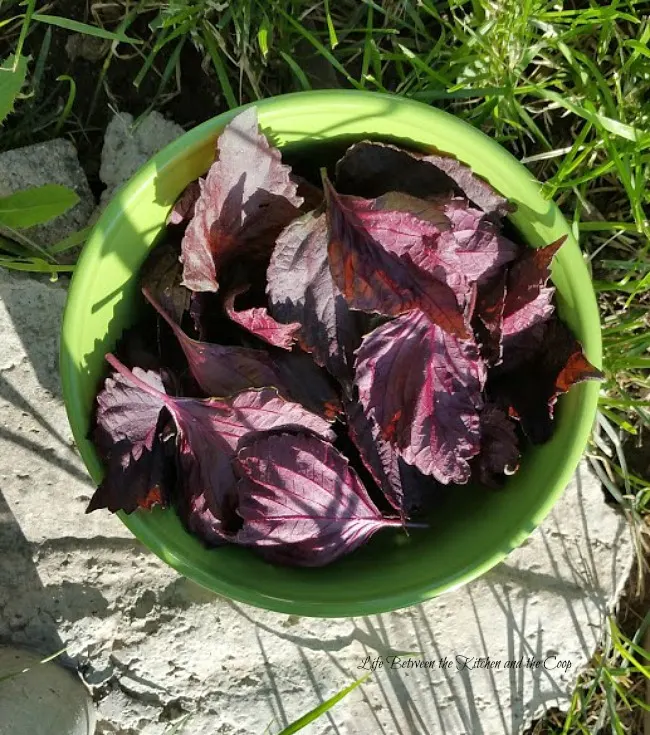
{"type": "Point", "coordinates": [283, 104]}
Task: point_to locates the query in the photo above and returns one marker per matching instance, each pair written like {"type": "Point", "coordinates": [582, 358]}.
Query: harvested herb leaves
{"type": "Point", "coordinates": [327, 357]}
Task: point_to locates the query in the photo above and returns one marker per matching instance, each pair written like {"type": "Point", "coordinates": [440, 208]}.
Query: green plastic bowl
{"type": "Point", "coordinates": [471, 532]}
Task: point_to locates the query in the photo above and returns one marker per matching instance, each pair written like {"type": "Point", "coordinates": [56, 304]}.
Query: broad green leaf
{"type": "Point", "coordinates": [322, 708]}
{"type": "Point", "coordinates": [88, 30]}
{"type": "Point", "coordinates": [12, 77]}
{"type": "Point", "coordinates": [35, 206]}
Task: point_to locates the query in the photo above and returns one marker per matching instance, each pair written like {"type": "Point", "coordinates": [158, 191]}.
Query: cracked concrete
{"type": "Point", "coordinates": [128, 145]}
{"type": "Point", "coordinates": [154, 646]}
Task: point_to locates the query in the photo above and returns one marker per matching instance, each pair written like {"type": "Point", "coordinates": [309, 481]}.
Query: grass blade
{"type": "Point", "coordinates": [88, 30]}
{"type": "Point", "coordinates": [295, 68]}
{"type": "Point", "coordinates": [334, 41]}
{"type": "Point", "coordinates": [219, 67]}
{"type": "Point", "coordinates": [35, 265]}
{"type": "Point", "coordinates": [322, 708]}
{"type": "Point", "coordinates": [308, 36]}
{"type": "Point", "coordinates": [23, 31]}
{"type": "Point", "coordinates": [72, 241]}
{"type": "Point", "coordinates": [67, 109]}
{"type": "Point", "coordinates": [616, 127]}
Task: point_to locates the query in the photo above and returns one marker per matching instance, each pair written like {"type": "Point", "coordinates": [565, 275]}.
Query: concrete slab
{"type": "Point", "coordinates": [128, 146]}
{"type": "Point", "coordinates": [154, 646]}
{"type": "Point", "coordinates": [53, 162]}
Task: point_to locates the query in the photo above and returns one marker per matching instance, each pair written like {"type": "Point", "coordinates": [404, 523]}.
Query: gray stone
{"type": "Point", "coordinates": [129, 144]}
{"type": "Point", "coordinates": [154, 646]}
{"type": "Point", "coordinates": [54, 162]}
{"type": "Point", "coordinates": [38, 697]}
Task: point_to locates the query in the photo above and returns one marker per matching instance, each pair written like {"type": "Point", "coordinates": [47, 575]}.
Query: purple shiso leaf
{"type": "Point", "coordinates": [130, 484]}
{"type": "Point", "coordinates": [460, 249]}
{"type": "Point", "coordinates": [377, 454]}
{"type": "Point", "coordinates": [183, 209]}
{"type": "Point", "coordinates": [129, 436]}
{"type": "Point", "coordinates": [312, 195]}
{"type": "Point", "coordinates": [373, 278]}
{"type": "Point", "coordinates": [530, 391]}
{"type": "Point", "coordinates": [422, 387]}
{"type": "Point", "coordinates": [161, 276]}
{"type": "Point", "coordinates": [247, 198]}
{"type": "Point", "coordinates": [307, 383]}
{"type": "Point", "coordinates": [209, 432]}
{"type": "Point", "coordinates": [300, 501]}
{"type": "Point", "coordinates": [432, 211]}
{"type": "Point", "coordinates": [499, 455]}
{"type": "Point", "coordinates": [259, 322]}
{"type": "Point", "coordinates": [476, 249]}
{"type": "Point", "coordinates": [529, 299]}
{"type": "Point", "coordinates": [371, 169]}
{"type": "Point", "coordinates": [462, 240]}
{"type": "Point", "coordinates": [221, 370]}
{"type": "Point", "coordinates": [488, 318]}
{"type": "Point", "coordinates": [301, 289]}
{"type": "Point", "coordinates": [126, 413]}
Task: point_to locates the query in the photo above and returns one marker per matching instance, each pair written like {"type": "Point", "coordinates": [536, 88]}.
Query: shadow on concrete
{"type": "Point", "coordinates": [20, 624]}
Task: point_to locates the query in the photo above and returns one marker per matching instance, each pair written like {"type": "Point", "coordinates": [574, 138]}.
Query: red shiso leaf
{"type": "Point", "coordinates": [431, 211]}
{"type": "Point", "coordinates": [161, 276]}
{"type": "Point", "coordinates": [124, 412]}
{"type": "Point", "coordinates": [301, 289]}
{"type": "Point", "coordinates": [247, 198]}
{"type": "Point", "coordinates": [259, 322]}
{"type": "Point", "coordinates": [312, 195]}
{"type": "Point", "coordinates": [301, 503]}
{"type": "Point", "coordinates": [183, 209]}
{"type": "Point", "coordinates": [403, 486]}
{"type": "Point", "coordinates": [477, 249]}
{"type": "Point", "coordinates": [221, 370]}
{"type": "Point", "coordinates": [456, 242]}
{"type": "Point", "coordinates": [129, 436]}
{"type": "Point", "coordinates": [529, 299]}
{"type": "Point", "coordinates": [529, 392]}
{"type": "Point", "coordinates": [371, 169]}
{"type": "Point", "coordinates": [209, 432]}
{"type": "Point", "coordinates": [488, 318]}
{"type": "Point", "coordinates": [422, 387]}
{"type": "Point", "coordinates": [499, 455]}
{"type": "Point", "coordinates": [377, 454]}
{"type": "Point", "coordinates": [374, 279]}
{"type": "Point", "coordinates": [306, 383]}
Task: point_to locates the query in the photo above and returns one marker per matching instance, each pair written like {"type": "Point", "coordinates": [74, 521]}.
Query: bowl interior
{"type": "Point", "coordinates": [473, 529]}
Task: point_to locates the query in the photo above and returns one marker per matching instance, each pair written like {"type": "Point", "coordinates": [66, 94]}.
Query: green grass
{"type": "Point", "coordinates": [564, 85]}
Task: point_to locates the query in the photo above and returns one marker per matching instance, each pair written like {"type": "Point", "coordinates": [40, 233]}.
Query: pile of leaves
{"type": "Point", "coordinates": [315, 361]}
